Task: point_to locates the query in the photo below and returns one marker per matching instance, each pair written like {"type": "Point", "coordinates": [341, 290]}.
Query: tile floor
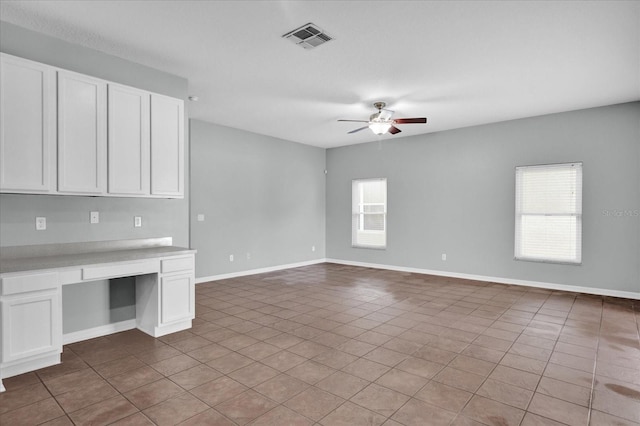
{"type": "Point", "coordinates": [339, 345]}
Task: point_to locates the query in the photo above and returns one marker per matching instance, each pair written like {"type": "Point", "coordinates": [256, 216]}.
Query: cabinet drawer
{"type": "Point", "coordinates": [31, 282]}
{"type": "Point", "coordinates": [114, 271]}
{"type": "Point", "coordinates": [179, 264]}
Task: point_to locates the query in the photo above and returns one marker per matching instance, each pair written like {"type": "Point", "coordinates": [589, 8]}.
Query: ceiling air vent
{"type": "Point", "coordinates": [308, 36]}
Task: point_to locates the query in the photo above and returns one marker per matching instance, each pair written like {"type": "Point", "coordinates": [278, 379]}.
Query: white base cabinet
{"type": "Point", "coordinates": [31, 312]}
{"type": "Point", "coordinates": [167, 304]}
{"type": "Point", "coordinates": [31, 306]}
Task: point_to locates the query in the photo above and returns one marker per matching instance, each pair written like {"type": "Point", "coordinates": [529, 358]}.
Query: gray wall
{"type": "Point", "coordinates": [68, 216]}
{"type": "Point", "coordinates": [260, 195]}
{"type": "Point", "coordinates": [453, 192]}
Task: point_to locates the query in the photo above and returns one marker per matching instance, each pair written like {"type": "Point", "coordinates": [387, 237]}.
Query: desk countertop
{"type": "Point", "coordinates": [39, 263]}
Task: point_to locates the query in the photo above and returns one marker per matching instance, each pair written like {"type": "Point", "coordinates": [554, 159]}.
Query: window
{"type": "Point", "coordinates": [549, 213]}
{"type": "Point", "coordinates": [369, 224]}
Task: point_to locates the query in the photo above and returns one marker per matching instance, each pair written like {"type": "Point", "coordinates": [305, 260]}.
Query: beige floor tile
{"type": "Point", "coordinates": [402, 382]}
{"type": "Point", "coordinates": [281, 387]}
{"type": "Point", "coordinates": [282, 416]}
{"type": "Point", "coordinates": [314, 403]}
{"type": "Point", "coordinates": [505, 393]}
{"type": "Point", "coordinates": [310, 372]}
{"type": "Point", "coordinates": [218, 390]}
{"type": "Point", "coordinates": [420, 367]}
{"type": "Point", "coordinates": [559, 410]}
{"type": "Point", "coordinates": [253, 374]}
{"type": "Point", "coordinates": [245, 407]}
{"type": "Point", "coordinates": [488, 411]}
{"type": "Point", "coordinates": [26, 395]}
{"type": "Point", "coordinates": [349, 414]}
{"type": "Point", "coordinates": [175, 410]}
{"type": "Point", "coordinates": [342, 384]}
{"type": "Point", "coordinates": [189, 379]}
{"type": "Point", "coordinates": [515, 377]}
{"type": "Point", "coordinates": [443, 396]}
{"type": "Point", "coordinates": [153, 393]}
{"type": "Point", "coordinates": [382, 400]}
{"type": "Point", "coordinates": [104, 412]}
{"type": "Point", "coordinates": [418, 413]}
{"type": "Point", "coordinates": [459, 379]}
{"type": "Point", "coordinates": [366, 369]}
{"type": "Point", "coordinates": [335, 359]}
{"type": "Point", "coordinates": [35, 413]}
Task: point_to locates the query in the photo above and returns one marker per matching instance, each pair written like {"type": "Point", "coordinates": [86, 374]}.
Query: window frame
{"type": "Point", "coordinates": [519, 214]}
{"type": "Point", "coordinates": [358, 214]}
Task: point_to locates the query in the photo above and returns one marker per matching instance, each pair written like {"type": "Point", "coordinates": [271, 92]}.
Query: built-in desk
{"type": "Point", "coordinates": [31, 280]}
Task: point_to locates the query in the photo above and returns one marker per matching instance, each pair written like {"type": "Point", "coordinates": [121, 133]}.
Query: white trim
{"type": "Point", "coordinates": [99, 331]}
{"type": "Point", "coordinates": [22, 366]}
{"type": "Point", "coordinates": [258, 271]}
{"type": "Point", "coordinates": [512, 281]}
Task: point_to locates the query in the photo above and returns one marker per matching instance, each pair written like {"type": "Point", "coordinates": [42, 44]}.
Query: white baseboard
{"type": "Point", "coordinates": [258, 271]}
{"type": "Point", "coordinates": [512, 281]}
{"type": "Point", "coordinates": [100, 331]}
{"type": "Point", "coordinates": [500, 280]}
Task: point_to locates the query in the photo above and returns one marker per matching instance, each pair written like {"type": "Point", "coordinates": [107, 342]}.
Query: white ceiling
{"type": "Point", "coordinates": [460, 63]}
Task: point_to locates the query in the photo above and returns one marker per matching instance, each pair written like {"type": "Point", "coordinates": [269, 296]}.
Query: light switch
{"type": "Point", "coordinates": [95, 217]}
{"type": "Point", "coordinates": [137, 221]}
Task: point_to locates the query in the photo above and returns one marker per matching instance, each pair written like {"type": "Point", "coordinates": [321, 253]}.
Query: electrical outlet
{"type": "Point", "coordinates": [248, 256]}
{"type": "Point", "coordinates": [444, 256]}
{"type": "Point", "coordinates": [230, 258]}
{"type": "Point", "coordinates": [95, 217]}
{"type": "Point", "coordinates": [41, 223]}
{"type": "Point", "coordinates": [313, 248]}
{"type": "Point", "coordinates": [137, 221]}
{"type": "Point", "coordinates": [200, 217]}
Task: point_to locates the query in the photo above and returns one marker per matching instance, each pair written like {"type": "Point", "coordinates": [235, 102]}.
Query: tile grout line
{"type": "Point", "coordinates": [595, 365]}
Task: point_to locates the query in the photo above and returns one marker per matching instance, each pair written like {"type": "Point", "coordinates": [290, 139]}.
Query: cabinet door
{"type": "Point", "coordinates": [82, 134]}
{"type": "Point", "coordinates": [177, 295]}
{"type": "Point", "coordinates": [31, 325]}
{"type": "Point", "coordinates": [128, 141]}
{"type": "Point", "coordinates": [167, 146]}
{"type": "Point", "coordinates": [27, 126]}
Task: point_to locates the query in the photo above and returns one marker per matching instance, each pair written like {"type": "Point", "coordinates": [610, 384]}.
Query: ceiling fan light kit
{"type": "Point", "coordinates": [381, 121]}
{"type": "Point", "coordinates": [379, 127]}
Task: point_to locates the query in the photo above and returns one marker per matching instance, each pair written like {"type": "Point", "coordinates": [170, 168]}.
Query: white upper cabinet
{"type": "Point", "coordinates": [128, 141]}
{"type": "Point", "coordinates": [27, 126]}
{"type": "Point", "coordinates": [167, 146]}
{"type": "Point", "coordinates": [82, 134]}
{"type": "Point", "coordinates": [71, 134]}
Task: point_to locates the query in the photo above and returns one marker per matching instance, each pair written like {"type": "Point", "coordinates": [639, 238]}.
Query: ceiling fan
{"type": "Point", "coordinates": [381, 121]}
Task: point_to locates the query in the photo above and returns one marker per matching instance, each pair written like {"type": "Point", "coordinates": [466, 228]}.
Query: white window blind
{"type": "Point", "coordinates": [369, 213]}
{"type": "Point", "coordinates": [549, 213]}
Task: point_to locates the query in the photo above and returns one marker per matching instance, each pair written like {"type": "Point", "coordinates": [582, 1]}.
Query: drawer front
{"type": "Point", "coordinates": [122, 270]}
{"type": "Point", "coordinates": [177, 265]}
{"type": "Point", "coordinates": [31, 282]}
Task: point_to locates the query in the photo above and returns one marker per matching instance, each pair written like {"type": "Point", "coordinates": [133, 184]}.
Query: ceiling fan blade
{"type": "Point", "coordinates": [357, 130]}
{"type": "Point", "coordinates": [356, 121]}
{"type": "Point", "coordinates": [410, 120]}
{"type": "Point", "coordinates": [393, 130]}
